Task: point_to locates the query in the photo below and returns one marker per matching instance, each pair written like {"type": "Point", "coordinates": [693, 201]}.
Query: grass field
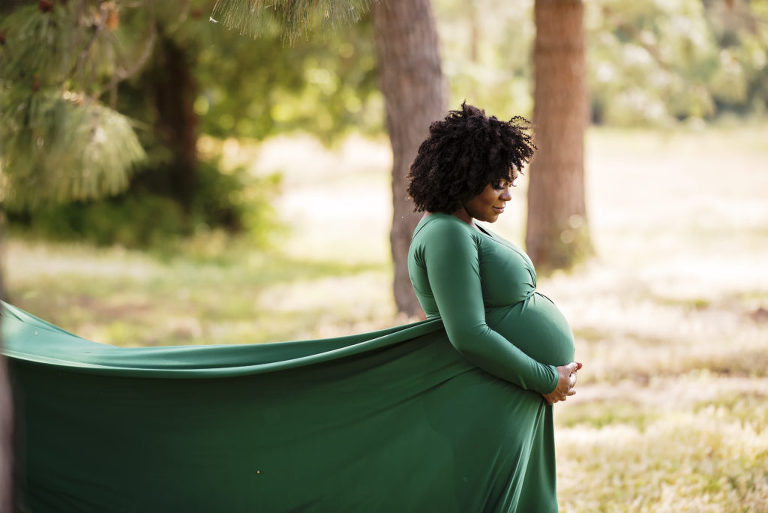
{"type": "Point", "coordinates": [671, 317]}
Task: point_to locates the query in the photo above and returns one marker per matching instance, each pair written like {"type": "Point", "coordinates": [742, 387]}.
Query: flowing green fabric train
{"type": "Point", "coordinates": [381, 422]}
{"type": "Point", "coordinates": [397, 420]}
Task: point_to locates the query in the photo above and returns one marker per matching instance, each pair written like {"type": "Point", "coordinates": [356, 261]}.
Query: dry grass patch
{"type": "Point", "coordinates": [694, 444]}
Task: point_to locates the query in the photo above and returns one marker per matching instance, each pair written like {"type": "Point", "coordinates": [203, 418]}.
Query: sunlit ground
{"type": "Point", "coordinates": [671, 318]}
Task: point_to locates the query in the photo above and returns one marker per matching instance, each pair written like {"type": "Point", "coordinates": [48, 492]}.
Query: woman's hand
{"type": "Point", "coordinates": [566, 383]}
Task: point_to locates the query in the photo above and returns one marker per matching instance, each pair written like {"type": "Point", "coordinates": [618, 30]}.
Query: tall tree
{"type": "Point", "coordinates": [412, 82]}
{"type": "Point", "coordinates": [174, 90]}
{"type": "Point", "coordinates": [557, 232]}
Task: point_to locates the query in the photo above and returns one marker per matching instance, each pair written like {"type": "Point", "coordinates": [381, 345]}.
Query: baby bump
{"type": "Point", "coordinates": [537, 327]}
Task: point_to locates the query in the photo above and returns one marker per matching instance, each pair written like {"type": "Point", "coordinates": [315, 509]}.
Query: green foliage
{"type": "Point", "coordinates": [35, 51]}
{"type": "Point", "coordinates": [144, 218]}
{"type": "Point", "coordinates": [74, 46]}
{"type": "Point", "coordinates": [297, 17]}
{"type": "Point", "coordinates": [59, 142]}
{"type": "Point", "coordinates": [487, 46]}
{"type": "Point", "coordinates": [83, 114]}
{"type": "Point", "coordinates": [652, 63]}
{"type": "Point", "coordinates": [59, 148]}
{"type": "Point", "coordinates": [324, 83]}
{"type": "Point", "coordinates": [128, 220]}
{"type": "Point", "coordinates": [740, 83]}
{"type": "Point", "coordinates": [658, 62]}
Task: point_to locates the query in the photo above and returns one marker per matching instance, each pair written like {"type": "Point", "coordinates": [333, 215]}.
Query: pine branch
{"type": "Point", "coordinates": [253, 17]}
{"type": "Point", "coordinates": [124, 73]}
{"type": "Point", "coordinates": [84, 53]}
{"type": "Point", "coordinates": [64, 147]}
{"type": "Point", "coordinates": [184, 14]}
{"type": "Point", "coordinates": [59, 143]}
{"type": "Point", "coordinates": [37, 47]}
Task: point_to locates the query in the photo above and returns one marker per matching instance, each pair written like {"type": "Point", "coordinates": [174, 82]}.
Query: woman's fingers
{"type": "Point", "coordinates": [573, 367]}
{"type": "Point", "coordinates": [566, 383]}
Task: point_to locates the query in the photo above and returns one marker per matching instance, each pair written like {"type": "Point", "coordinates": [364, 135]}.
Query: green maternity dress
{"type": "Point", "coordinates": [441, 416]}
{"type": "Point", "coordinates": [484, 290]}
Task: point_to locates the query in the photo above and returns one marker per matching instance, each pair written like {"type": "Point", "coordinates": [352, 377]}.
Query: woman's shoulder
{"type": "Point", "coordinates": [438, 224]}
{"type": "Point", "coordinates": [444, 232]}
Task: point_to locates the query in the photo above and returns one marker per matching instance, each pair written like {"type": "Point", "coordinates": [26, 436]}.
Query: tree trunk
{"type": "Point", "coordinates": [6, 431]}
{"type": "Point", "coordinates": [414, 91]}
{"type": "Point", "coordinates": [175, 90]}
{"type": "Point", "coordinates": [557, 232]}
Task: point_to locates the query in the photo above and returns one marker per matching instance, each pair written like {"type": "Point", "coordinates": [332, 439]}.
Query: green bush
{"type": "Point", "coordinates": [146, 216]}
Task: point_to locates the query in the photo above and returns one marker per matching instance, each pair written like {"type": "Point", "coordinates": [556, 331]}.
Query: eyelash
{"type": "Point", "coordinates": [500, 185]}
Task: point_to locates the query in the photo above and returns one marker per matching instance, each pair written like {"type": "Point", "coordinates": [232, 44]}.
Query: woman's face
{"type": "Point", "coordinates": [489, 204]}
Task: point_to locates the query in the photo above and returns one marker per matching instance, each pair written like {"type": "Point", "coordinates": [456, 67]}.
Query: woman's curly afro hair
{"type": "Point", "coordinates": [463, 153]}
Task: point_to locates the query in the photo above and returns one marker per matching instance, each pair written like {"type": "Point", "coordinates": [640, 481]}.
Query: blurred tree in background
{"type": "Point", "coordinates": [110, 98]}
{"type": "Point", "coordinates": [557, 233]}
{"type": "Point", "coordinates": [100, 97]}
{"type": "Point", "coordinates": [658, 62]}
{"type": "Point", "coordinates": [650, 63]}
{"type": "Point", "coordinates": [487, 48]}
{"type": "Point", "coordinates": [412, 82]}
{"type": "Point", "coordinates": [647, 64]}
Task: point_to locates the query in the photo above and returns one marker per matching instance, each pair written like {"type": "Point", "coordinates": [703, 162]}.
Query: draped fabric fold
{"type": "Point", "coordinates": [388, 421]}
{"type": "Point", "coordinates": [32, 339]}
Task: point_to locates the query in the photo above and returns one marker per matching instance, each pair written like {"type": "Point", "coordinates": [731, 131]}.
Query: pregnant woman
{"type": "Point", "coordinates": [452, 414]}
{"type": "Point", "coordinates": [484, 288]}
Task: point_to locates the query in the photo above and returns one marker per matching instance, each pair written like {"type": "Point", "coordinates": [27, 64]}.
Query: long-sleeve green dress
{"type": "Point", "coordinates": [484, 290]}
{"type": "Point", "coordinates": [396, 420]}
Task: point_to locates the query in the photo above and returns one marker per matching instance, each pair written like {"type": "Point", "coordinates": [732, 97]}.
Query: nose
{"type": "Point", "coordinates": [505, 195]}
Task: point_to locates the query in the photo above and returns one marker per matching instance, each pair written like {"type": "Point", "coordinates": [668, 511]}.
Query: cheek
{"type": "Point", "coordinates": [492, 196]}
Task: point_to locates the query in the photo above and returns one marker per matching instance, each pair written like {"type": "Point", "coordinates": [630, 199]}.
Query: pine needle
{"type": "Point", "coordinates": [254, 17]}
{"type": "Point", "coordinates": [63, 148]}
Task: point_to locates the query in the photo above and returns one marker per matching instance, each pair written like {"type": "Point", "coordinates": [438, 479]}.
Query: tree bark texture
{"type": "Point", "coordinates": [415, 95]}
{"type": "Point", "coordinates": [557, 233]}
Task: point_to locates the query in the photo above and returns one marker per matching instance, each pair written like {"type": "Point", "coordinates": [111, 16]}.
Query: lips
{"type": "Point", "coordinates": [498, 210]}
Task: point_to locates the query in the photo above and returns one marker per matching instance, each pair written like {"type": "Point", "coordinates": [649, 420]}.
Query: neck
{"type": "Point", "coordinates": [463, 215]}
